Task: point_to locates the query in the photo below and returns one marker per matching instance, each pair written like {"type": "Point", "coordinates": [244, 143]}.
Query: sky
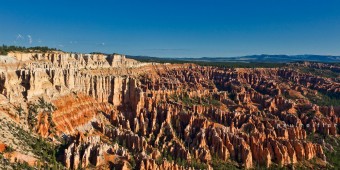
{"type": "Point", "coordinates": [174, 28]}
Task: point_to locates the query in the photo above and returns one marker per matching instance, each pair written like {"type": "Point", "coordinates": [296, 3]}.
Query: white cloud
{"type": "Point", "coordinates": [30, 40]}
{"type": "Point", "coordinates": [19, 37]}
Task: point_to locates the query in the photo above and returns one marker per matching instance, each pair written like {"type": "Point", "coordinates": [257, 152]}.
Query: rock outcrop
{"type": "Point", "coordinates": [122, 113]}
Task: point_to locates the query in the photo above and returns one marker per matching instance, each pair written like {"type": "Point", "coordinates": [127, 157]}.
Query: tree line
{"type": "Point", "coordinates": [4, 49]}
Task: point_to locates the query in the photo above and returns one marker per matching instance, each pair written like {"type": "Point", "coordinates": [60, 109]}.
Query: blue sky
{"type": "Point", "coordinates": [200, 28]}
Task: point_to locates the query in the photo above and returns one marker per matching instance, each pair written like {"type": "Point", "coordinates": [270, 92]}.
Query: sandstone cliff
{"type": "Point", "coordinates": [111, 111]}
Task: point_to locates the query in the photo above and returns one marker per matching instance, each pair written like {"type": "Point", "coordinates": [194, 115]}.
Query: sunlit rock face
{"type": "Point", "coordinates": [117, 112]}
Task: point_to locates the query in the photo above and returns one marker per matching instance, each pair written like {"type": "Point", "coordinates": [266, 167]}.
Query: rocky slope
{"type": "Point", "coordinates": [102, 112]}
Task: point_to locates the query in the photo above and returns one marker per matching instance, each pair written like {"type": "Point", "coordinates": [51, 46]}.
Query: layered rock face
{"type": "Point", "coordinates": [52, 74]}
{"type": "Point", "coordinates": [116, 112]}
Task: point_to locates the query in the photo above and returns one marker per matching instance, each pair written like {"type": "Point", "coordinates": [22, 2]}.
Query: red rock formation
{"type": "Point", "coordinates": [139, 113]}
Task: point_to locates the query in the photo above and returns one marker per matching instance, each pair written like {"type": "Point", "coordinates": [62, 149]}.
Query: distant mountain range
{"type": "Point", "coordinates": [250, 58]}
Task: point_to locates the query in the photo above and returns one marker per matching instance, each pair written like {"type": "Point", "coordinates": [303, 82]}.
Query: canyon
{"type": "Point", "coordinates": [101, 111]}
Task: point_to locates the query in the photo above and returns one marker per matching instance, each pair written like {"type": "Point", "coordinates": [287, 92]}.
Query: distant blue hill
{"type": "Point", "coordinates": [250, 58]}
{"type": "Point", "coordinates": [270, 58]}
